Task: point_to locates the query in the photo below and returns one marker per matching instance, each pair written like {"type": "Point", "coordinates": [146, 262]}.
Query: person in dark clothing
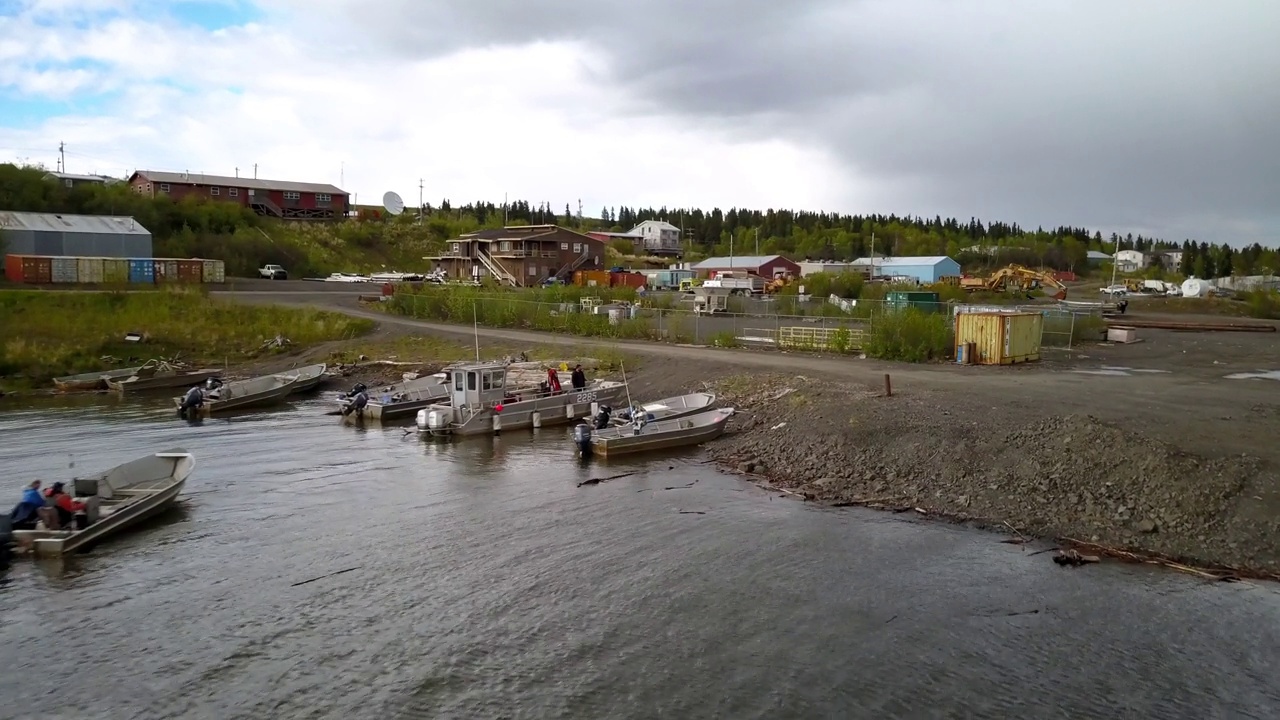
{"type": "Point", "coordinates": [578, 378]}
{"type": "Point", "coordinates": [27, 511]}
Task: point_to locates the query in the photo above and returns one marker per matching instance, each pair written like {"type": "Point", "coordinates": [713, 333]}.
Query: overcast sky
{"type": "Point", "coordinates": [1128, 115]}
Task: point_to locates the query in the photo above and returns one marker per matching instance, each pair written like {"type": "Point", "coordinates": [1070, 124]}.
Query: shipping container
{"type": "Point", "coordinates": [918, 299]}
{"type": "Point", "coordinates": [13, 268]}
{"type": "Point", "coordinates": [999, 338]}
{"type": "Point", "coordinates": [591, 278]}
{"type": "Point", "coordinates": [115, 271]}
{"type": "Point", "coordinates": [627, 279]}
{"type": "Point", "coordinates": [64, 270]}
{"type": "Point", "coordinates": [190, 270]}
{"type": "Point", "coordinates": [142, 271]}
{"type": "Point", "coordinates": [215, 271]}
{"type": "Point", "coordinates": [166, 270]}
{"type": "Point", "coordinates": [37, 270]}
{"type": "Point", "coordinates": [89, 270]}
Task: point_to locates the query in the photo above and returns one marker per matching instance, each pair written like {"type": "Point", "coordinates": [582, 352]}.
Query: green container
{"type": "Point", "coordinates": [922, 300]}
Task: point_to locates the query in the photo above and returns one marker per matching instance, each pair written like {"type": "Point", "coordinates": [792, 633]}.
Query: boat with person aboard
{"type": "Point", "coordinates": [480, 401]}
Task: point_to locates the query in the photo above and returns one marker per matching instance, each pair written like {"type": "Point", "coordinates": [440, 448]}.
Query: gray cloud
{"type": "Point", "coordinates": [1147, 115]}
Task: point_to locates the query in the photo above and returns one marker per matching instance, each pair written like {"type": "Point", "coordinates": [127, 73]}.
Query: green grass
{"type": "Point", "coordinates": [47, 334]}
{"type": "Point", "coordinates": [910, 335]}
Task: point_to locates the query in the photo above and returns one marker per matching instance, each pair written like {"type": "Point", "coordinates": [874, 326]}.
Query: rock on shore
{"type": "Point", "coordinates": [1061, 477]}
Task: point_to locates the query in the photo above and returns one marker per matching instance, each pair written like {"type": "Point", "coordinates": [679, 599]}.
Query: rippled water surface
{"type": "Point", "coordinates": [487, 584]}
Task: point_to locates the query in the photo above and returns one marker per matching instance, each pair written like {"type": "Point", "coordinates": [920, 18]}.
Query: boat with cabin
{"type": "Point", "coordinates": [114, 500]}
{"type": "Point", "coordinates": [480, 401]}
{"type": "Point", "coordinates": [678, 432]}
{"type": "Point", "coordinates": [159, 375]}
{"type": "Point", "coordinates": [92, 380]}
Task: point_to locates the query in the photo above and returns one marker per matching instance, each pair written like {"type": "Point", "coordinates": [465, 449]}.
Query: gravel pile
{"type": "Point", "coordinates": [1071, 476]}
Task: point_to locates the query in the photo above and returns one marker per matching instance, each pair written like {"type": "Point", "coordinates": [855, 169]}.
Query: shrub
{"type": "Point", "coordinates": [909, 335]}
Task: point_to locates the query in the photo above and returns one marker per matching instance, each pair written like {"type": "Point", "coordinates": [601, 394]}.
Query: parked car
{"type": "Point", "coordinates": [273, 272]}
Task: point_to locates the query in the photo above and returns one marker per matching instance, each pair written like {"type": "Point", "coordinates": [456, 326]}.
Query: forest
{"type": "Point", "coordinates": [371, 240]}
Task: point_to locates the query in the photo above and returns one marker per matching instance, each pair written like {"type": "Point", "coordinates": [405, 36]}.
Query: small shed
{"type": "Point", "coordinates": [766, 266]}
{"type": "Point", "coordinates": [993, 338]}
{"type": "Point", "coordinates": [51, 234]}
{"type": "Point", "coordinates": [922, 300]}
{"type": "Point", "coordinates": [925, 270]}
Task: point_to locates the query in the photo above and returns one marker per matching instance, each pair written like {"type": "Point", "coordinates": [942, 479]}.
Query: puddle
{"type": "Point", "coordinates": [1117, 371]}
{"type": "Point", "coordinates": [1264, 374]}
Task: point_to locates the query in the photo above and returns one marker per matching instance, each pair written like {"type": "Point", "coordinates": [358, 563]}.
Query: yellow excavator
{"type": "Point", "coordinates": [1016, 277]}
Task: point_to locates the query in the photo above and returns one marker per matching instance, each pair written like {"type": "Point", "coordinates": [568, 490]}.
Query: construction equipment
{"type": "Point", "coordinates": [776, 285]}
{"type": "Point", "coordinates": [1016, 277]}
{"type": "Point", "coordinates": [688, 284]}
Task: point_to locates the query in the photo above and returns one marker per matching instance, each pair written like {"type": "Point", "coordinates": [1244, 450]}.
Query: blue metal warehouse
{"type": "Point", "coordinates": [926, 270]}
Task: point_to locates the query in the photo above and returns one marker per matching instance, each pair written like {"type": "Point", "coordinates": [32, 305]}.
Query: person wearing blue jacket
{"type": "Point", "coordinates": [27, 511]}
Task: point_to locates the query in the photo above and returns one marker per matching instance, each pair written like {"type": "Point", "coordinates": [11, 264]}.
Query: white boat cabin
{"type": "Point", "coordinates": [478, 386]}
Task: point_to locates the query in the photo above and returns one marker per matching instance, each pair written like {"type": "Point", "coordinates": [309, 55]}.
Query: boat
{"type": "Point", "coordinates": [347, 278]}
{"type": "Point", "coordinates": [669, 408]}
{"type": "Point", "coordinates": [241, 394]}
{"type": "Point", "coordinates": [92, 380]}
{"type": "Point", "coordinates": [308, 377]}
{"type": "Point", "coordinates": [479, 401]}
{"type": "Point", "coordinates": [158, 375]}
{"type": "Point", "coordinates": [394, 402]}
{"type": "Point", "coordinates": [661, 435]}
{"type": "Point", "coordinates": [114, 500]}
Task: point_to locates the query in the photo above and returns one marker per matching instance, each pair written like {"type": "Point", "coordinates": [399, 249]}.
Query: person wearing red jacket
{"type": "Point", "coordinates": [64, 508]}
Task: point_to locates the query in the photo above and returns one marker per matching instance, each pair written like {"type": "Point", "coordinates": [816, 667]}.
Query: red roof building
{"type": "Point", "coordinates": [282, 199]}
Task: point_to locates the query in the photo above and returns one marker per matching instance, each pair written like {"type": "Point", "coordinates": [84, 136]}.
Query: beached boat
{"type": "Point", "coordinates": [662, 435]}
{"type": "Point", "coordinates": [395, 402]}
{"type": "Point", "coordinates": [308, 377]}
{"type": "Point", "coordinates": [242, 394]}
{"type": "Point", "coordinates": [479, 401]}
{"type": "Point", "coordinates": [114, 500]}
{"type": "Point", "coordinates": [669, 408]}
{"type": "Point", "coordinates": [159, 375]}
{"type": "Point", "coordinates": [92, 380]}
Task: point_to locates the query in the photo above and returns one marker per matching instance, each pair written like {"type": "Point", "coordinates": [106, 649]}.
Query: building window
{"type": "Point", "coordinates": [323, 197]}
{"type": "Point", "coordinates": [164, 187]}
{"type": "Point", "coordinates": [289, 195]}
{"type": "Point", "coordinates": [533, 270]}
{"type": "Point", "coordinates": [215, 191]}
{"type": "Point", "coordinates": [577, 247]}
{"type": "Point", "coordinates": [455, 248]}
{"type": "Point", "coordinates": [148, 187]}
{"type": "Point", "coordinates": [69, 182]}
{"type": "Point", "coordinates": [564, 246]}
{"type": "Point", "coordinates": [233, 192]}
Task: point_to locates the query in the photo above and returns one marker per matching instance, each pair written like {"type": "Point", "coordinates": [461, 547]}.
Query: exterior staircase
{"type": "Point", "coordinates": [496, 269]}
{"type": "Point", "coordinates": [567, 271]}
{"type": "Point", "coordinates": [263, 205]}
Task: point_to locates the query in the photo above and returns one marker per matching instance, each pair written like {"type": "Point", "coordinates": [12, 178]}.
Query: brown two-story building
{"type": "Point", "coordinates": [521, 255]}
{"type": "Point", "coordinates": [282, 199]}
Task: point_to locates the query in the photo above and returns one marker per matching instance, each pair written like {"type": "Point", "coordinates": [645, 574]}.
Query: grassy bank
{"type": "Point", "coordinates": [45, 334]}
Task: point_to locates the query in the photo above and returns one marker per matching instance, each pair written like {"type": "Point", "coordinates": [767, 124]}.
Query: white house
{"type": "Point", "coordinates": [660, 237]}
{"type": "Point", "coordinates": [1130, 261]}
{"type": "Point", "coordinates": [1169, 259]}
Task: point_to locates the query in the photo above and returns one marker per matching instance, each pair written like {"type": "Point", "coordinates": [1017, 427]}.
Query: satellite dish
{"type": "Point", "coordinates": [392, 202]}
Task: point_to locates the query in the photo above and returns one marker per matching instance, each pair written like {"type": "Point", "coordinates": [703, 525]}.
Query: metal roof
{"type": "Point", "coordinates": [661, 224]}
{"type": "Point", "coordinates": [1097, 255]}
{"type": "Point", "coordinates": [182, 178]}
{"type": "Point", "coordinates": [902, 261]}
{"type": "Point", "coordinates": [746, 262]}
{"type": "Point", "coordinates": [87, 178]}
{"type": "Point", "coordinates": [53, 222]}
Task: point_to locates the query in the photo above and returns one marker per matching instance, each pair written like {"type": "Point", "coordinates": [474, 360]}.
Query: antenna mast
{"type": "Point", "coordinates": [62, 157]}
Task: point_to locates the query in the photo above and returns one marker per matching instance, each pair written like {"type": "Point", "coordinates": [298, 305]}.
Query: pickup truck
{"type": "Point", "coordinates": [273, 272]}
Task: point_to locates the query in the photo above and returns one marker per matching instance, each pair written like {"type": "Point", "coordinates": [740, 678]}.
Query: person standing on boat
{"type": "Point", "coordinates": [63, 512]}
{"type": "Point", "coordinates": [579, 379]}
{"type": "Point", "coordinates": [553, 381]}
{"type": "Point", "coordinates": [27, 511]}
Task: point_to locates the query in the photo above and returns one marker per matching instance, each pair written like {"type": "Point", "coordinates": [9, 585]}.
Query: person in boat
{"type": "Point", "coordinates": [602, 417]}
{"type": "Point", "coordinates": [356, 400]}
{"type": "Point", "coordinates": [193, 400]}
{"type": "Point", "coordinates": [638, 419]}
{"type": "Point", "coordinates": [553, 381]}
{"type": "Point", "coordinates": [579, 378]}
{"type": "Point", "coordinates": [61, 508]}
{"type": "Point", "coordinates": [27, 511]}
{"type": "Point", "coordinates": [213, 388]}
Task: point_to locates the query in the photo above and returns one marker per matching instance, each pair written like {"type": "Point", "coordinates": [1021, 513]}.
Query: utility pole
{"type": "Point", "coordinates": [873, 256]}
{"type": "Point", "coordinates": [757, 241]}
{"type": "Point", "coordinates": [506, 217]}
{"type": "Point", "coordinates": [420, 181]}
{"type": "Point", "coordinates": [579, 212]}
{"type": "Point", "coordinates": [255, 171]}
{"type": "Point", "coordinates": [237, 172]}
{"type": "Point", "coordinates": [62, 157]}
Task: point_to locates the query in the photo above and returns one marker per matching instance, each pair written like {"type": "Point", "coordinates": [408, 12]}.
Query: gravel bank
{"type": "Point", "coordinates": [1059, 477]}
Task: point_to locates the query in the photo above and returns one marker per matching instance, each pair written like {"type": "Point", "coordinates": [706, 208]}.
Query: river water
{"type": "Point", "coordinates": [484, 583]}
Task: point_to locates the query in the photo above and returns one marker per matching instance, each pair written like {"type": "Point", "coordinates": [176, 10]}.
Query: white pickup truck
{"type": "Point", "coordinates": [273, 272]}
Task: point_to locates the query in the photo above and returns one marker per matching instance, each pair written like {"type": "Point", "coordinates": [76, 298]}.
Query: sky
{"type": "Point", "coordinates": [1143, 116]}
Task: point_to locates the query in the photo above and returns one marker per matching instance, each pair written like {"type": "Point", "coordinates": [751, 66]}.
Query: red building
{"type": "Point", "coordinates": [274, 198]}
{"type": "Point", "coordinates": [520, 255]}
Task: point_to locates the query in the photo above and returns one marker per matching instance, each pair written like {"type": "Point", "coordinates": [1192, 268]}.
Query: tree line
{"type": "Point", "coordinates": [201, 227]}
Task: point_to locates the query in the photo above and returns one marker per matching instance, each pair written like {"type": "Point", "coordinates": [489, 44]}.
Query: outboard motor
{"type": "Point", "coordinates": [582, 438]}
{"type": "Point", "coordinates": [356, 403]}
{"type": "Point", "coordinates": [193, 400]}
{"type": "Point", "coordinates": [602, 417]}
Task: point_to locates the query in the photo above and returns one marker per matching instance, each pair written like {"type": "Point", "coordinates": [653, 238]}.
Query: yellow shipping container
{"type": "Point", "coordinates": [115, 270]}
{"type": "Point", "coordinates": [89, 270]}
{"type": "Point", "coordinates": [999, 338]}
